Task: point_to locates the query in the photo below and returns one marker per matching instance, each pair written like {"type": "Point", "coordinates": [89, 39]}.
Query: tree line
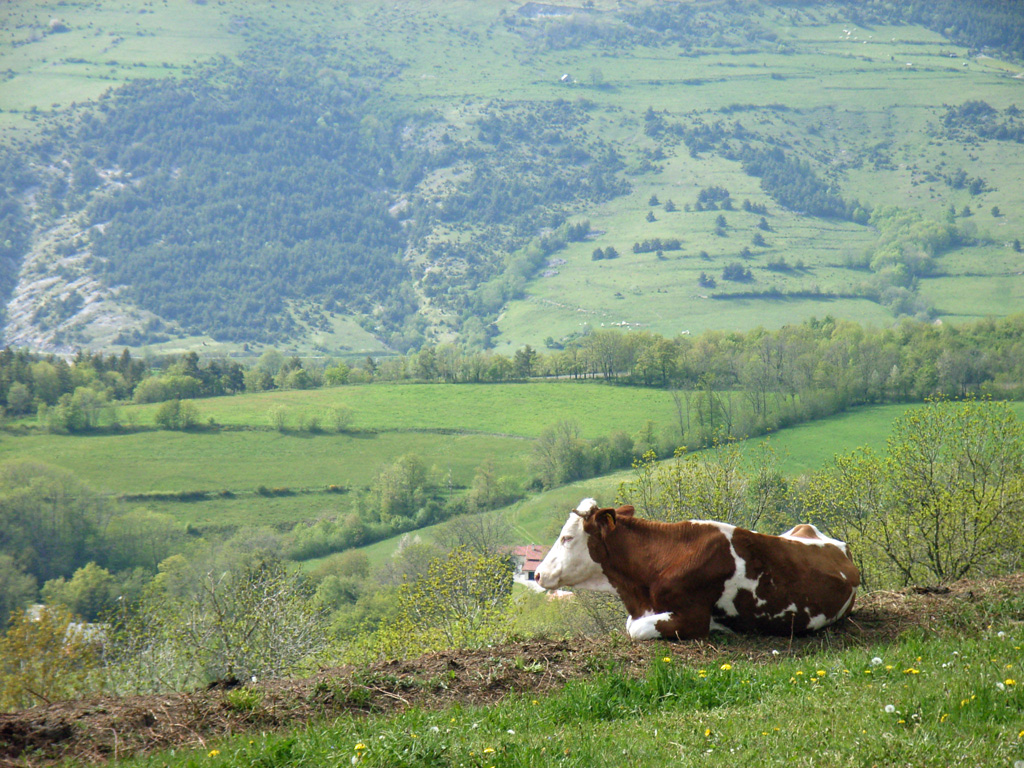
{"type": "Point", "coordinates": [841, 360]}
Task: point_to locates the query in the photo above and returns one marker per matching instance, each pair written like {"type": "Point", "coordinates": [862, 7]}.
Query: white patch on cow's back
{"type": "Point", "coordinates": [739, 580]}
{"type": "Point", "coordinates": [820, 539]}
{"type": "Point", "coordinates": [644, 627]}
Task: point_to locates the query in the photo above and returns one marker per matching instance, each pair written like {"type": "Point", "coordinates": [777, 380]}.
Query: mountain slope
{"type": "Point", "coordinates": [362, 177]}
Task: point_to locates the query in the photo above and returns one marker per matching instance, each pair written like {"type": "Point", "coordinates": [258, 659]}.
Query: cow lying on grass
{"type": "Point", "coordinates": [682, 580]}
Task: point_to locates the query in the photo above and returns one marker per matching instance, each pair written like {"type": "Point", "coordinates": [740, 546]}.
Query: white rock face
{"type": "Point", "coordinates": [59, 303]}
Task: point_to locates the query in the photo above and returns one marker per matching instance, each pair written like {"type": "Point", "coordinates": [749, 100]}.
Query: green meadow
{"type": "Point", "coordinates": [948, 693]}
{"type": "Point", "coordinates": [520, 410]}
{"type": "Point", "coordinates": [454, 429]}
{"type": "Point", "coordinates": [800, 449]}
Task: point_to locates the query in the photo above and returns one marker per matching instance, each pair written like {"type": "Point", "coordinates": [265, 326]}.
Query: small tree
{"type": "Point", "coordinates": [177, 414]}
{"type": "Point", "coordinates": [462, 601]}
{"type": "Point", "coordinates": [946, 502]}
{"type": "Point", "coordinates": [340, 417]}
{"type": "Point", "coordinates": [277, 415]}
{"type": "Point", "coordinates": [46, 656]}
{"type": "Point", "coordinates": [193, 627]}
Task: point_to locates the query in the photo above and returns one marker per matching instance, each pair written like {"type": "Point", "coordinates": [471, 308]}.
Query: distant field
{"type": "Point", "coordinates": [800, 450]}
{"type": "Point", "coordinates": [523, 410]}
{"type": "Point", "coordinates": [453, 428]}
{"type": "Point", "coordinates": [103, 45]}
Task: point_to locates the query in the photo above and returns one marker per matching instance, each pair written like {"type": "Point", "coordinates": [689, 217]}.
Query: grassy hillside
{"type": "Point", "coordinates": [453, 428]}
{"type": "Point", "coordinates": [912, 679]}
{"type": "Point", "coordinates": [509, 123]}
{"type": "Point", "coordinates": [801, 449]}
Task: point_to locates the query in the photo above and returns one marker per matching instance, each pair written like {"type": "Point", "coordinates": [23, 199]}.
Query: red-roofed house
{"type": "Point", "coordinates": [528, 559]}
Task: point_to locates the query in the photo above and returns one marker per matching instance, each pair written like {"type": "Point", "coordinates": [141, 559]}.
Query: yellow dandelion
{"type": "Point", "coordinates": [888, 667]}
{"type": "Point", "coordinates": [707, 732]}
{"type": "Point", "coordinates": [488, 750]}
{"type": "Point", "coordinates": [911, 671]}
{"type": "Point", "coordinates": [360, 747]}
{"type": "Point", "coordinates": [821, 673]}
{"type": "Point", "coordinates": [944, 718]}
{"type": "Point", "coordinates": [1009, 681]}
{"type": "Point", "coordinates": [727, 666]}
{"type": "Point", "coordinates": [667, 659]}
{"type": "Point", "coordinates": [799, 672]}
{"type": "Point", "coordinates": [213, 753]}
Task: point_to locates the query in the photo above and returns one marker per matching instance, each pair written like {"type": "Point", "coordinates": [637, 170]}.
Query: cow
{"type": "Point", "coordinates": [681, 580]}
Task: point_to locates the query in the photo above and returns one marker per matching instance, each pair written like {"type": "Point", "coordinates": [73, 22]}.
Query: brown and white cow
{"type": "Point", "coordinates": [682, 580]}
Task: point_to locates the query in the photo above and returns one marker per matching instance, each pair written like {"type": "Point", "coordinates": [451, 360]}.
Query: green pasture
{"type": "Point", "coordinates": [241, 461]}
{"type": "Point", "coordinates": [161, 461]}
{"type": "Point", "coordinates": [944, 694]}
{"type": "Point", "coordinates": [453, 428]}
{"type": "Point", "coordinates": [105, 44]}
{"type": "Point", "coordinates": [519, 410]}
{"type": "Point", "coordinates": [843, 97]}
{"type": "Point", "coordinates": [799, 450]}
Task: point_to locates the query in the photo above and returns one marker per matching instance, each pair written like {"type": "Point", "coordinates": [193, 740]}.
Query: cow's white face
{"type": "Point", "coordinates": [568, 563]}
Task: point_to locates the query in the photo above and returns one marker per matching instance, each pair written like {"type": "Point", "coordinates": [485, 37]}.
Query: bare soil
{"type": "Point", "coordinates": [97, 730]}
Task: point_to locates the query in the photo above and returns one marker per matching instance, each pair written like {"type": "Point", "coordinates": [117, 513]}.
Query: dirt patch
{"type": "Point", "coordinates": [96, 730]}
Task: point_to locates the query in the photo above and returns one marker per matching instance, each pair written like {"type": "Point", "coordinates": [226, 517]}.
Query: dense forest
{"type": "Point", "coordinates": [224, 201]}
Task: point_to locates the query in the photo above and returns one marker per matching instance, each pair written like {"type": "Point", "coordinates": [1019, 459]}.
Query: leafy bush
{"type": "Point", "coordinates": [944, 503]}
{"type": "Point", "coordinates": [46, 656]}
{"type": "Point", "coordinates": [463, 600]}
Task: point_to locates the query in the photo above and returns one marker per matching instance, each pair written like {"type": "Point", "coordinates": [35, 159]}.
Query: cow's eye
{"type": "Point", "coordinates": [566, 539]}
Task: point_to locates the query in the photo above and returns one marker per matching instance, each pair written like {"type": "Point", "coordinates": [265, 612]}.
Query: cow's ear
{"type": "Point", "coordinates": [605, 520]}
{"type": "Point", "coordinates": [625, 511]}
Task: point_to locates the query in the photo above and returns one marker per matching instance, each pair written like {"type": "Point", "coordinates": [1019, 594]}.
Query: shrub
{"type": "Point", "coordinates": [46, 656]}
{"type": "Point", "coordinates": [946, 501]}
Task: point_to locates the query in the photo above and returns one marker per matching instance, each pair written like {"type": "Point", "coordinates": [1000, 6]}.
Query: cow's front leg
{"type": "Point", "coordinates": [670, 625]}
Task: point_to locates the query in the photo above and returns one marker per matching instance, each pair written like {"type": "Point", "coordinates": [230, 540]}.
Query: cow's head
{"type": "Point", "coordinates": [568, 563]}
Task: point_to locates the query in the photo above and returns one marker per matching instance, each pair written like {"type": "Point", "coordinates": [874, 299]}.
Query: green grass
{"type": "Point", "coordinates": [453, 428]}
{"type": "Point", "coordinates": [106, 45]}
{"type": "Point", "coordinates": [521, 410]}
{"type": "Point", "coordinates": [800, 450]}
{"type": "Point", "coordinates": [934, 699]}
